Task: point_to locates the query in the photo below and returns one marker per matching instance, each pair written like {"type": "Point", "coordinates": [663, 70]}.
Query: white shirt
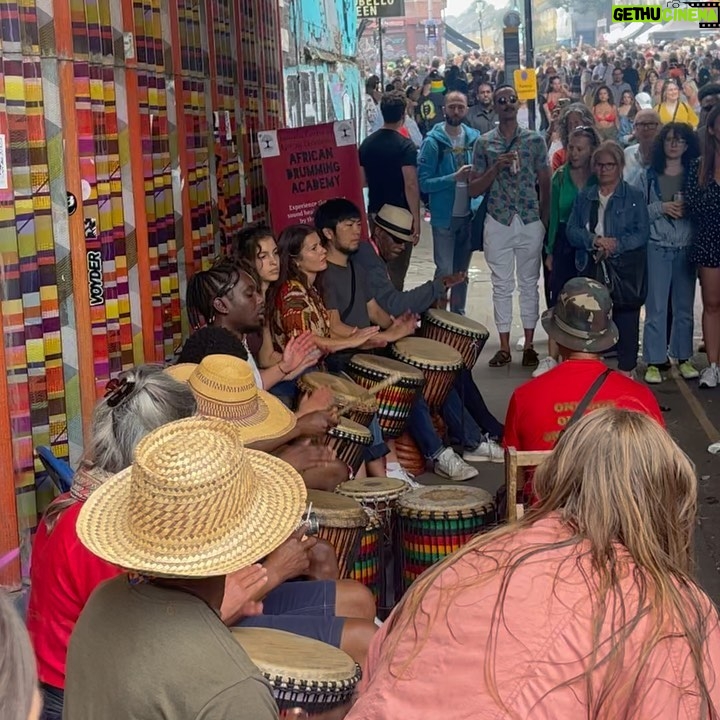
{"type": "Point", "coordinates": [253, 365]}
{"type": "Point", "coordinates": [600, 227]}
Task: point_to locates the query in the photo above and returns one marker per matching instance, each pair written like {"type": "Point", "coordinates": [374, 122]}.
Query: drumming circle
{"type": "Point", "coordinates": [467, 336]}
{"type": "Point", "coordinates": [438, 363]}
{"type": "Point", "coordinates": [395, 401]}
{"type": "Point", "coordinates": [342, 521]}
{"type": "Point", "coordinates": [303, 672]}
{"type": "Point", "coordinates": [345, 392]}
{"type": "Point", "coordinates": [438, 520]}
{"type": "Point", "coordinates": [348, 439]}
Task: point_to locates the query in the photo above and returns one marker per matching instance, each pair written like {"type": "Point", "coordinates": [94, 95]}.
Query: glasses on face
{"type": "Point", "coordinates": [646, 125]}
{"type": "Point", "coordinates": [605, 166]}
{"type": "Point", "coordinates": [680, 142]}
{"type": "Point", "coordinates": [507, 100]}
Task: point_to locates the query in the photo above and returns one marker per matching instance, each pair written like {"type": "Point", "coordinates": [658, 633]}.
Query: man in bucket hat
{"type": "Point", "coordinates": [194, 507]}
{"type": "Point", "coordinates": [582, 326]}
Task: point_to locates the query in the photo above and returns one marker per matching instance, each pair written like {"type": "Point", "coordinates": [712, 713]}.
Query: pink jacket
{"type": "Point", "coordinates": [540, 647]}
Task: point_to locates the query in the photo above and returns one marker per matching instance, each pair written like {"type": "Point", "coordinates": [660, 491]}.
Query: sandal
{"type": "Point", "coordinates": [500, 358]}
{"type": "Point", "coordinates": [530, 358]}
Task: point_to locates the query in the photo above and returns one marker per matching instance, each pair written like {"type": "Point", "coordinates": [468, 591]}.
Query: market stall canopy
{"type": "Point", "coordinates": [679, 29]}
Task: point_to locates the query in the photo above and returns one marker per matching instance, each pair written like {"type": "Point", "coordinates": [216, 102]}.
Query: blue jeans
{"type": "Point", "coordinates": [53, 699]}
{"type": "Point", "coordinates": [466, 405]}
{"type": "Point", "coordinates": [422, 431]}
{"type": "Point", "coordinates": [452, 253]}
{"type": "Point", "coordinates": [671, 276]}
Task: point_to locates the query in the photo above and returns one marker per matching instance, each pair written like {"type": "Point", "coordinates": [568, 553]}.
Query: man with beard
{"type": "Point", "coordinates": [509, 163]}
{"type": "Point", "coordinates": [444, 165]}
{"type": "Point", "coordinates": [482, 115]}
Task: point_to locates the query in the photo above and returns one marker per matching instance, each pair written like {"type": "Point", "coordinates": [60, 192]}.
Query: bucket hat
{"type": "Point", "coordinates": [397, 221]}
{"type": "Point", "coordinates": [581, 319]}
{"type": "Point", "coordinates": [195, 503]}
{"type": "Point", "coordinates": [224, 387]}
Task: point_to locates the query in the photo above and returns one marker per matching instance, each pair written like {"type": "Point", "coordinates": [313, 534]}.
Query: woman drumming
{"type": "Point", "coordinates": [566, 183]}
{"type": "Point", "coordinates": [605, 113]}
{"type": "Point", "coordinates": [671, 274]}
{"type": "Point", "coordinates": [64, 573]}
{"type": "Point", "coordinates": [603, 567]}
{"type": "Point", "coordinates": [703, 205]}
{"type": "Point", "coordinates": [608, 220]}
{"type": "Point", "coordinates": [672, 108]}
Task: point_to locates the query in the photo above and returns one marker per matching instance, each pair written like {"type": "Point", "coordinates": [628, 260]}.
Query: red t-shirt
{"type": "Point", "coordinates": [541, 408]}
{"type": "Point", "coordinates": [63, 575]}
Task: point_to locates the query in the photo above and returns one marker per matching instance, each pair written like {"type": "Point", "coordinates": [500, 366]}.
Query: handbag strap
{"type": "Point", "coordinates": [346, 312]}
{"type": "Point", "coordinates": [587, 399]}
{"type": "Point", "coordinates": [594, 214]}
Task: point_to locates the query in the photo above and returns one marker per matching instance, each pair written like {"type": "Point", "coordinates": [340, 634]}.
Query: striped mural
{"type": "Point", "coordinates": [128, 156]}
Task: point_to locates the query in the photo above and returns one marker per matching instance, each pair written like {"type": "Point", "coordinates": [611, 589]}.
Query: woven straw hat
{"type": "Point", "coordinates": [194, 503]}
{"type": "Point", "coordinates": [181, 371]}
{"type": "Point", "coordinates": [224, 387]}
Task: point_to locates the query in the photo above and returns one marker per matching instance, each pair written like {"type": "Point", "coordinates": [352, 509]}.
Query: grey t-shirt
{"type": "Point", "coordinates": [144, 651]}
{"type": "Point", "coordinates": [461, 204]}
{"type": "Point", "coordinates": [337, 284]}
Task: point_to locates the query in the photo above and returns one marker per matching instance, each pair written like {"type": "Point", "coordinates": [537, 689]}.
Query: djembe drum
{"type": "Point", "coordinates": [379, 497]}
{"type": "Point", "coordinates": [302, 672]}
{"type": "Point", "coordinates": [341, 522]}
{"type": "Point", "coordinates": [395, 401]}
{"type": "Point", "coordinates": [348, 439]}
{"type": "Point", "coordinates": [467, 336]}
{"type": "Point", "coordinates": [434, 521]}
{"type": "Point", "coordinates": [439, 364]}
{"type": "Point", "coordinates": [345, 393]}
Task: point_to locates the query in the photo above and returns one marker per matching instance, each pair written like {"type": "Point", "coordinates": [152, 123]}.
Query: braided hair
{"type": "Point", "coordinates": [206, 286]}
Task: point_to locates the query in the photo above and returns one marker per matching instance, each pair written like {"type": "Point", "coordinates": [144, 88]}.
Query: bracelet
{"type": "Point", "coordinates": [284, 372]}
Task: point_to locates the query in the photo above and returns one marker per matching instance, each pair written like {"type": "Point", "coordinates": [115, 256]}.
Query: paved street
{"type": "Point", "coordinates": [692, 416]}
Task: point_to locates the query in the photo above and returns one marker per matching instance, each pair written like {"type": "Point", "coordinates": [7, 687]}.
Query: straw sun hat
{"type": "Point", "coordinates": [195, 503]}
{"type": "Point", "coordinates": [224, 387]}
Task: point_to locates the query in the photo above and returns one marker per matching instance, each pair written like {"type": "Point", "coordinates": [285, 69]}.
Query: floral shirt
{"type": "Point", "coordinates": [511, 195]}
{"type": "Point", "coordinates": [298, 309]}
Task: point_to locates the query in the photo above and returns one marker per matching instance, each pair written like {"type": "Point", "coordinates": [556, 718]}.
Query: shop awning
{"type": "Point", "coordinates": [458, 39]}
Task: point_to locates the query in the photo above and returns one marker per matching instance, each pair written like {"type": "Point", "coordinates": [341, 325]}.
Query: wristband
{"type": "Point", "coordinates": [284, 372]}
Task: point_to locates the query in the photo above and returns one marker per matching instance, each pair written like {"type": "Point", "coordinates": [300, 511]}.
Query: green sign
{"type": "Point", "coordinates": [380, 8]}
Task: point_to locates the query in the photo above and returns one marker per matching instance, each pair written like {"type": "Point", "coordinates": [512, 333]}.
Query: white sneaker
{"type": "Point", "coordinates": [487, 451]}
{"type": "Point", "coordinates": [398, 472]}
{"type": "Point", "coordinates": [544, 365]}
{"type": "Point", "coordinates": [451, 466]}
{"type": "Point", "coordinates": [709, 377]}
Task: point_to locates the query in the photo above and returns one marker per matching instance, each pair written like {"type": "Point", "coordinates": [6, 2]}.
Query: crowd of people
{"type": "Point", "coordinates": [186, 516]}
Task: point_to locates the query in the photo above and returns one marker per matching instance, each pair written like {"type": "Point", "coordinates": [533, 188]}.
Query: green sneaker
{"type": "Point", "coordinates": [652, 375]}
{"type": "Point", "coordinates": [688, 370]}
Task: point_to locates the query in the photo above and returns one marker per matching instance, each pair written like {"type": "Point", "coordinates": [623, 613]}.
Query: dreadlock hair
{"type": "Point", "coordinates": [206, 286]}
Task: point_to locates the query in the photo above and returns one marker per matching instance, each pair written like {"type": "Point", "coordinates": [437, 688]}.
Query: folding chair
{"type": "Point", "coordinates": [517, 462]}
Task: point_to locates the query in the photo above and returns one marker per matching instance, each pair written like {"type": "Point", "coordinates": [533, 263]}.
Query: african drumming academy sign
{"type": "Point", "coordinates": [306, 166]}
{"type": "Point", "coordinates": [380, 8]}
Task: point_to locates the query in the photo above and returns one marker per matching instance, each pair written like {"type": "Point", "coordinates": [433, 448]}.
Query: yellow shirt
{"type": "Point", "coordinates": [683, 114]}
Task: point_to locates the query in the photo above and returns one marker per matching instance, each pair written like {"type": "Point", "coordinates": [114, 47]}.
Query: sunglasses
{"type": "Point", "coordinates": [507, 100]}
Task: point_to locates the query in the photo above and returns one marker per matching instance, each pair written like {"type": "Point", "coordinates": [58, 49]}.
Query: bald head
{"type": "Point", "coordinates": [647, 126]}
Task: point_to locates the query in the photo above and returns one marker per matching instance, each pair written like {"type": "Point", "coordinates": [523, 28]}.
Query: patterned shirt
{"type": "Point", "coordinates": [511, 195]}
{"type": "Point", "coordinates": [298, 309]}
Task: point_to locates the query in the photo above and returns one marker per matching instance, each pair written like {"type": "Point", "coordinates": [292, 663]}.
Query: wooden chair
{"type": "Point", "coordinates": [517, 462]}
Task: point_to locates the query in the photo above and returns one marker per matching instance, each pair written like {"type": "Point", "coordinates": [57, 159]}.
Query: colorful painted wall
{"type": "Point", "coordinates": [127, 152]}
{"type": "Point", "coordinates": [319, 44]}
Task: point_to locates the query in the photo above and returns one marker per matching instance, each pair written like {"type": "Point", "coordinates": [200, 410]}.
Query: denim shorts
{"type": "Point", "coordinates": [304, 608]}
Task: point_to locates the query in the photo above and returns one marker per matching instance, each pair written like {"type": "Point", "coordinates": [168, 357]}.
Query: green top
{"type": "Point", "coordinates": [562, 196]}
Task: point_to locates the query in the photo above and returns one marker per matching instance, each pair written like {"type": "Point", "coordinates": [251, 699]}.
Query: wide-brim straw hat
{"type": "Point", "coordinates": [181, 371]}
{"type": "Point", "coordinates": [224, 387]}
{"type": "Point", "coordinates": [195, 503]}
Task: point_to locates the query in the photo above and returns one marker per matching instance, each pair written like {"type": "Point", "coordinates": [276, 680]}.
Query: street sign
{"type": "Point", "coordinates": [380, 8]}
{"type": "Point", "coordinates": [525, 84]}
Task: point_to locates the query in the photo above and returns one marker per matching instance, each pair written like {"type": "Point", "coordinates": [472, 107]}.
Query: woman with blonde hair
{"type": "Point", "coordinates": [586, 607]}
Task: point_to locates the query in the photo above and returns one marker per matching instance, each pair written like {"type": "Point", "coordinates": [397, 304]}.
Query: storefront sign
{"type": "Point", "coordinates": [306, 166]}
{"type": "Point", "coordinates": [380, 8]}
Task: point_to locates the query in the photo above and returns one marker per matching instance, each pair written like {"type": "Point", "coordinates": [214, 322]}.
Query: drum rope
{"type": "Point", "coordinates": [374, 390]}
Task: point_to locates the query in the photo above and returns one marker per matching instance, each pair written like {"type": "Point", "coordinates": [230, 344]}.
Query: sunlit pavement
{"type": "Point", "coordinates": [692, 415]}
